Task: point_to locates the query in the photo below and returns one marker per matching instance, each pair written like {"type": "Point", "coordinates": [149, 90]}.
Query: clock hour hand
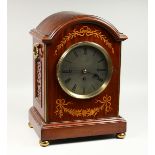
{"type": "Point", "coordinates": [95, 75]}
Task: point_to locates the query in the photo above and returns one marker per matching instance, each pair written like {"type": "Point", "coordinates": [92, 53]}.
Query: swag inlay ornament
{"type": "Point", "coordinates": [63, 107]}
{"type": "Point", "coordinates": [84, 31]}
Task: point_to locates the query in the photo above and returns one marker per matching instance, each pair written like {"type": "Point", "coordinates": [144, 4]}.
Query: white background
{"type": "Point", "coordinates": [130, 17]}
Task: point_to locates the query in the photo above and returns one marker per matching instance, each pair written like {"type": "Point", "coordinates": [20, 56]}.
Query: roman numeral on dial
{"type": "Point", "coordinates": [74, 87]}
{"type": "Point", "coordinates": [93, 87]}
{"type": "Point", "coordinates": [68, 61]}
{"type": "Point", "coordinates": [67, 71]}
{"type": "Point", "coordinates": [100, 69]}
{"type": "Point", "coordinates": [75, 53]}
{"type": "Point", "coordinates": [100, 79]}
{"type": "Point", "coordinates": [85, 51]}
{"type": "Point", "coordinates": [68, 80]}
{"type": "Point", "coordinates": [84, 90]}
{"type": "Point", "coordinates": [94, 53]}
{"type": "Point", "coordinates": [101, 60]}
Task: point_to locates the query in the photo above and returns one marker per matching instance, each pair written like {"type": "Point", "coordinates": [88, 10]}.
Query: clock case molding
{"type": "Point", "coordinates": [54, 113]}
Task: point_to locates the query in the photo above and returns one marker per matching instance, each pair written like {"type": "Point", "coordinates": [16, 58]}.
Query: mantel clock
{"type": "Point", "coordinates": [76, 66]}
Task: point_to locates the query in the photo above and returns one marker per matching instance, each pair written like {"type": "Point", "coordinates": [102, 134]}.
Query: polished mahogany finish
{"type": "Point", "coordinates": [55, 114]}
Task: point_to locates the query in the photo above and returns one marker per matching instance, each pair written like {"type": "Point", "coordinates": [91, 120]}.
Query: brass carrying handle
{"type": "Point", "coordinates": [36, 50]}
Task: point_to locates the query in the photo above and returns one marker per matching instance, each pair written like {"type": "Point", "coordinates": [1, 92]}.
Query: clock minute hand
{"type": "Point", "coordinates": [94, 74]}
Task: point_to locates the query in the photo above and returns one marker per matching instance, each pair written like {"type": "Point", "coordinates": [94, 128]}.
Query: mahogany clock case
{"type": "Point", "coordinates": [55, 114]}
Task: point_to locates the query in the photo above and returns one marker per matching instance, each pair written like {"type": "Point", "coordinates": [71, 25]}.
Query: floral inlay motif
{"type": "Point", "coordinates": [63, 107]}
{"type": "Point", "coordinates": [84, 31]}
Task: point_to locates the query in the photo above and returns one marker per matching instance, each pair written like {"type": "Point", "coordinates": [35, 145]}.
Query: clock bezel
{"type": "Point", "coordinates": [103, 86]}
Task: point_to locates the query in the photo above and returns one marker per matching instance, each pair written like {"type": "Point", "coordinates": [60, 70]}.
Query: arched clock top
{"type": "Point", "coordinates": [53, 23]}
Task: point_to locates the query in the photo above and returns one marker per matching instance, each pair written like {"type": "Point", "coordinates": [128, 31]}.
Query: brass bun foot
{"type": "Point", "coordinates": [120, 135]}
{"type": "Point", "coordinates": [29, 124]}
{"type": "Point", "coordinates": [44, 143]}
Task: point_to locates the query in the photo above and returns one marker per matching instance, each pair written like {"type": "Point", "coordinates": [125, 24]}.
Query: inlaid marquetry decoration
{"type": "Point", "coordinates": [106, 101]}
{"type": "Point", "coordinates": [38, 55]}
{"type": "Point", "coordinates": [62, 107]}
{"type": "Point", "coordinates": [38, 83]}
{"type": "Point", "coordinates": [82, 32]}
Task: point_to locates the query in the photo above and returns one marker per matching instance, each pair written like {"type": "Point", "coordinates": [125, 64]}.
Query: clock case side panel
{"type": "Point", "coordinates": [53, 88]}
{"type": "Point", "coordinates": [39, 77]}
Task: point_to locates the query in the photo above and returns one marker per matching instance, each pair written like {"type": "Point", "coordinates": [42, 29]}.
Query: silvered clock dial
{"type": "Point", "coordinates": [84, 70]}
